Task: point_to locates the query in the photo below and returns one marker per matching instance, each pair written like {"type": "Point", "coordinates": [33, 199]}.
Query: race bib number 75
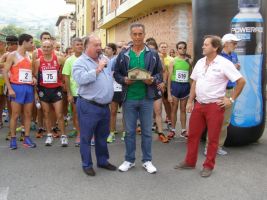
{"type": "Point", "coordinates": [49, 76]}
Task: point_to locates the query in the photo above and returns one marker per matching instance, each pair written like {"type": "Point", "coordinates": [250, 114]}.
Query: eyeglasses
{"type": "Point", "coordinates": [181, 48]}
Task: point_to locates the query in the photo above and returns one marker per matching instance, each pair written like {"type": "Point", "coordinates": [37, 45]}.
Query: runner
{"type": "Point", "coordinates": [20, 88]}
{"type": "Point", "coordinates": [163, 49]}
{"type": "Point", "coordinates": [49, 90]}
{"type": "Point", "coordinates": [2, 97]}
{"type": "Point", "coordinates": [179, 87]}
{"type": "Point", "coordinates": [71, 85]}
{"type": "Point", "coordinates": [37, 54]}
{"type": "Point", "coordinates": [158, 100]}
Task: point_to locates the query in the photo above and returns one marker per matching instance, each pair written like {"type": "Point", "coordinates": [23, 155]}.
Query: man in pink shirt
{"type": "Point", "coordinates": [207, 102]}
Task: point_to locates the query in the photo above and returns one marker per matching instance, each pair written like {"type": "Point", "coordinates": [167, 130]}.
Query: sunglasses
{"type": "Point", "coordinates": [181, 48]}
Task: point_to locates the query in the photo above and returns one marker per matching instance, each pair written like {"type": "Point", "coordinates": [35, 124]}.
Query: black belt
{"type": "Point", "coordinates": [229, 88]}
{"type": "Point", "coordinates": [94, 103]}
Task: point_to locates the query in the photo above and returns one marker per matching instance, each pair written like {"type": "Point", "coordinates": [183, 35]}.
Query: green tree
{"type": "Point", "coordinates": [37, 43]}
{"type": "Point", "coordinates": [12, 29]}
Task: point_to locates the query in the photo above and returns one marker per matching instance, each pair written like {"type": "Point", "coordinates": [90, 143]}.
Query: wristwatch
{"type": "Point", "coordinates": [231, 99]}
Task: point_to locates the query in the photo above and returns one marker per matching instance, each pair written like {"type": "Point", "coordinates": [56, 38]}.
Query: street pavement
{"type": "Point", "coordinates": [54, 173]}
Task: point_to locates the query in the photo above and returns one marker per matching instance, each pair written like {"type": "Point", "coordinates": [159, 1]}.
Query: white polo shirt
{"type": "Point", "coordinates": [211, 80]}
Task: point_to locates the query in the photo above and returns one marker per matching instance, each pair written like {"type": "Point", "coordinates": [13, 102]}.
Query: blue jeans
{"type": "Point", "coordinates": [132, 110]}
{"type": "Point", "coordinates": [93, 120]}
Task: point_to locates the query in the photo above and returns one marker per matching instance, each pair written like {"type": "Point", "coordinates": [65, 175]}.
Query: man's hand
{"type": "Point", "coordinates": [237, 66]}
{"type": "Point", "coordinates": [102, 63]}
{"type": "Point", "coordinates": [11, 93]}
{"type": "Point", "coordinates": [128, 81]}
{"type": "Point", "coordinates": [224, 102]}
{"type": "Point", "coordinates": [189, 106]}
{"type": "Point", "coordinates": [34, 81]}
{"type": "Point", "coordinates": [148, 81]}
{"type": "Point", "coordinates": [161, 87]}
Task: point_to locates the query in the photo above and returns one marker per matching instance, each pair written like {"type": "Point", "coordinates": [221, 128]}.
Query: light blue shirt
{"type": "Point", "coordinates": [98, 88]}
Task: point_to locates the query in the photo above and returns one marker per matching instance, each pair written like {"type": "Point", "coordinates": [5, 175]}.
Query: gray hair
{"type": "Point", "coordinates": [135, 25]}
{"type": "Point", "coordinates": [77, 39]}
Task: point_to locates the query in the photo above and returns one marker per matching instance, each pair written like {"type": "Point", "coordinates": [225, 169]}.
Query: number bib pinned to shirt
{"type": "Point", "coordinates": [182, 76]}
{"type": "Point", "coordinates": [25, 76]}
{"type": "Point", "coordinates": [117, 87]}
{"type": "Point", "coordinates": [49, 76]}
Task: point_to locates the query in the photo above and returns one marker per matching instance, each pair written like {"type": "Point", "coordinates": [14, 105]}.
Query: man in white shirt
{"type": "Point", "coordinates": [207, 102]}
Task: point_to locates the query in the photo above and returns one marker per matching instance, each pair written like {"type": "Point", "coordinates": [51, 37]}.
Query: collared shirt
{"type": "Point", "coordinates": [233, 58]}
{"type": "Point", "coordinates": [98, 88]}
{"type": "Point", "coordinates": [211, 80]}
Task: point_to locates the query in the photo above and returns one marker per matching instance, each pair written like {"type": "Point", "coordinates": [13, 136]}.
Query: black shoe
{"type": "Point", "coordinates": [89, 171]}
{"type": "Point", "coordinates": [108, 167]}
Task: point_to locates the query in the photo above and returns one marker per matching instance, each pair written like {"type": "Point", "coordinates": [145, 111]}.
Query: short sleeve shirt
{"type": "Point", "coordinates": [211, 80]}
{"type": "Point", "coordinates": [67, 70]}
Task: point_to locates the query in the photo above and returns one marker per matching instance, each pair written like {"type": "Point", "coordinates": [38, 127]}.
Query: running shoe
{"type": "Point", "coordinates": [13, 143]}
{"type": "Point", "coordinates": [55, 132]}
{"type": "Point", "coordinates": [49, 139]}
{"type": "Point", "coordinates": [163, 138]}
{"type": "Point", "coordinates": [22, 135]}
{"type": "Point", "coordinates": [8, 137]}
{"type": "Point", "coordinates": [72, 134]}
{"type": "Point", "coordinates": [123, 136]}
{"type": "Point", "coordinates": [77, 141]}
{"type": "Point", "coordinates": [64, 141]}
{"type": "Point", "coordinates": [111, 137]}
{"type": "Point", "coordinates": [171, 134]}
{"type": "Point", "coordinates": [28, 142]}
{"type": "Point", "coordinates": [39, 133]}
{"type": "Point", "coordinates": [184, 134]}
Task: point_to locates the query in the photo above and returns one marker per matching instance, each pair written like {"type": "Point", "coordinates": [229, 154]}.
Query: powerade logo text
{"type": "Point", "coordinates": [247, 29]}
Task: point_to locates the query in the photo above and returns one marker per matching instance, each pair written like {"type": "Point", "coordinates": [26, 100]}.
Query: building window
{"type": "Point", "coordinates": [83, 3]}
{"type": "Point", "coordinates": [101, 12]}
{"type": "Point", "coordinates": [108, 6]}
{"type": "Point", "coordinates": [122, 1]}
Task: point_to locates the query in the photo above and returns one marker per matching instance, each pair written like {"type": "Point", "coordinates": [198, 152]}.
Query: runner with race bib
{"type": "Point", "coordinates": [179, 87]}
{"type": "Point", "coordinates": [47, 69]}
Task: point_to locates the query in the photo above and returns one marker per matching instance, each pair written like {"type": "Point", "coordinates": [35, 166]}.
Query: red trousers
{"type": "Point", "coordinates": [204, 115]}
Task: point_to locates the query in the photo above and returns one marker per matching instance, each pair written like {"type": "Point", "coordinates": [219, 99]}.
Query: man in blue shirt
{"type": "Point", "coordinates": [95, 93]}
{"type": "Point", "coordinates": [229, 45]}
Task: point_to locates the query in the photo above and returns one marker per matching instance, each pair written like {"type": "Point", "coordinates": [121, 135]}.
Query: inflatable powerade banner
{"type": "Point", "coordinates": [245, 19]}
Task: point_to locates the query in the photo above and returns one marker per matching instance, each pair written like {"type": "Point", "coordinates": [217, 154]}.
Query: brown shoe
{"type": "Point", "coordinates": [183, 165]}
{"type": "Point", "coordinates": [205, 172]}
{"type": "Point", "coordinates": [89, 171]}
{"type": "Point", "coordinates": [108, 167]}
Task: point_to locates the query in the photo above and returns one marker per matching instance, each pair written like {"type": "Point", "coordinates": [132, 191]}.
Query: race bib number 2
{"type": "Point", "coordinates": [181, 76]}
{"type": "Point", "coordinates": [25, 76]}
{"type": "Point", "coordinates": [49, 76]}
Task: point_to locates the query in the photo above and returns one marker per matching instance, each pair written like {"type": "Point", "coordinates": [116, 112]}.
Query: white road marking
{"type": "Point", "coordinates": [4, 193]}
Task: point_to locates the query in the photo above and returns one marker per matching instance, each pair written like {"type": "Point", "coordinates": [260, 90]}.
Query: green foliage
{"type": "Point", "coordinates": [37, 43]}
{"type": "Point", "coordinates": [12, 29]}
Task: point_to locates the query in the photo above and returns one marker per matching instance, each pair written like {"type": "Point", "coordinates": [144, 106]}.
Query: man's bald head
{"type": "Point", "coordinates": [92, 46]}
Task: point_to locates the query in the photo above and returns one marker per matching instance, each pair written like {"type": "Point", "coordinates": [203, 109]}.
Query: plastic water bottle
{"type": "Point", "coordinates": [38, 104]}
{"type": "Point", "coordinates": [248, 110]}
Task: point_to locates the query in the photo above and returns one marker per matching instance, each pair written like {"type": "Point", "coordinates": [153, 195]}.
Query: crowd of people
{"type": "Point", "coordinates": [40, 86]}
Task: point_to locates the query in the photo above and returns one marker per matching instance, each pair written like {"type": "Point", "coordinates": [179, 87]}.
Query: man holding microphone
{"type": "Point", "coordinates": [95, 93]}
